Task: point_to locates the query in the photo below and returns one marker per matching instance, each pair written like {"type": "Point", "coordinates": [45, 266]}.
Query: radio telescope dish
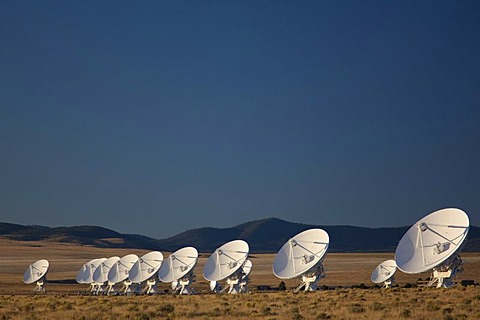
{"type": "Point", "coordinates": [434, 244]}
{"type": "Point", "coordinates": [303, 256]}
{"type": "Point", "coordinates": [384, 273]}
{"type": "Point", "coordinates": [145, 269]}
{"type": "Point", "coordinates": [246, 269]}
{"type": "Point", "coordinates": [100, 275]}
{"type": "Point", "coordinates": [85, 274]}
{"type": "Point", "coordinates": [37, 272]}
{"type": "Point", "coordinates": [178, 269]}
{"type": "Point", "coordinates": [227, 263]}
{"type": "Point", "coordinates": [119, 272]}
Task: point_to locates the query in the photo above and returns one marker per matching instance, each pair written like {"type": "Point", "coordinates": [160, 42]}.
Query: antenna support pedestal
{"type": "Point", "coordinates": [237, 282]}
{"type": "Point", "coordinates": [97, 288]}
{"type": "Point", "coordinates": [388, 283]}
{"type": "Point", "coordinates": [183, 285]}
{"type": "Point", "coordinates": [40, 287]}
{"type": "Point", "coordinates": [126, 287]}
{"type": "Point", "coordinates": [151, 287]}
{"type": "Point", "coordinates": [310, 279]}
{"type": "Point", "coordinates": [233, 284]}
{"type": "Point", "coordinates": [442, 276]}
{"type": "Point", "coordinates": [111, 289]}
{"type": "Point", "coordinates": [243, 284]}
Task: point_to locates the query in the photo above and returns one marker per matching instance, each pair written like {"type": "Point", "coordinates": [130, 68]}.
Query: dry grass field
{"type": "Point", "coordinates": [64, 300]}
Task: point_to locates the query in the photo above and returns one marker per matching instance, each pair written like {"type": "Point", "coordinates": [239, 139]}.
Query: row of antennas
{"type": "Point", "coordinates": [140, 275]}
{"type": "Point", "coordinates": [432, 244]}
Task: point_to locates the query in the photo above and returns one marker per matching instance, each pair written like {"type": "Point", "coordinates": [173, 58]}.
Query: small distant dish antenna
{"type": "Point", "coordinates": [178, 270]}
{"type": "Point", "coordinates": [85, 274]}
{"type": "Point", "coordinates": [227, 263]}
{"type": "Point", "coordinates": [145, 270]}
{"type": "Point", "coordinates": [100, 275]}
{"type": "Point", "coordinates": [37, 272]}
{"type": "Point", "coordinates": [434, 244]}
{"type": "Point", "coordinates": [246, 269]}
{"type": "Point", "coordinates": [119, 273]}
{"type": "Point", "coordinates": [384, 273]}
{"type": "Point", "coordinates": [302, 256]}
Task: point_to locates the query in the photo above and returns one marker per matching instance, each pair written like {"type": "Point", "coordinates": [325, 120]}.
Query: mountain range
{"type": "Point", "coordinates": [264, 236]}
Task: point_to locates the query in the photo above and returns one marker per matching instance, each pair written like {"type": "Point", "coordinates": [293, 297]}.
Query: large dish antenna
{"type": "Point", "coordinates": [37, 272]}
{"type": "Point", "coordinates": [178, 270]}
{"type": "Point", "coordinates": [145, 270]}
{"type": "Point", "coordinates": [434, 244]}
{"type": "Point", "coordinates": [303, 256]}
{"type": "Point", "coordinates": [226, 263]}
{"type": "Point", "coordinates": [119, 273]}
{"type": "Point", "coordinates": [384, 273]}
{"type": "Point", "coordinates": [100, 275]}
{"type": "Point", "coordinates": [85, 274]}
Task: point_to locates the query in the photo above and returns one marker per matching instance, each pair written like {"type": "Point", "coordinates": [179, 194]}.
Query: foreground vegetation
{"type": "Point", "coordinates": [396, 303]}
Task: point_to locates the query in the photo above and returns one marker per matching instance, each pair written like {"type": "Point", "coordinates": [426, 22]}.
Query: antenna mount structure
{"type": "Point", "coordinates": [177, 269]}
{"type": "Point", "coordinates": [434, 244]}
{"type": "Point", "coordinates": [37, 272]}
{"type": "Point", "coordinates": [229, 262]}
{"type": "Point", "coordinates": [119, 273]}
{"type": "Point", "coordinates": [384, 273]}
{"type": "Point", "coordinates": [144, 271]}
{"type": "Point", "coordinates": [302, 256]}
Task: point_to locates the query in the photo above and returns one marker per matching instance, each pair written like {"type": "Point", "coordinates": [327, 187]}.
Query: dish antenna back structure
{"type": "Point", "coordinates": [384, 273]}
{"type": "Point", "coordinates": [434, 244]}
{"type": "Point", "coordinates": [100, 275]}
{"type": "Point", "coordinates": [302, 256]}
{"type": "Point", "coordinates": [227, 263]}
{"type": "Point", "coordinates": [145, 269]}
{"type": "Point", "coordinates": [178, 270]}
{"type": "Point", "coordinates": [85, 274]}
{"type": "Point", "coordinates": [119, 273]}
{"type": "Point", "coordinates": [37, 272]}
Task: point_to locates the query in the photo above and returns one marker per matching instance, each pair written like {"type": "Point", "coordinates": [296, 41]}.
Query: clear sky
{"type": "Point", "coordinates": [154, 117]}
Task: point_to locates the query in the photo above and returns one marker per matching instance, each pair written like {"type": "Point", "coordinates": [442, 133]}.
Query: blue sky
{"type": "Point", "coordinates": [154, 117]}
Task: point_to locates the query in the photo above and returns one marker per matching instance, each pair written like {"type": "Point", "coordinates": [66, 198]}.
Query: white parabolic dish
{"type": "Point", "coordinates": [119, 271]}
{"type": "Point", "coordinates": [432, 240]}
{"type": "Point", "coordinates": [100, 275]}
{"type": "Point", "coordinates": [178, 264]}
{"type": "Point", "coordinates": [146, 267]}
{"type": "Point", "coordinates": [301, 253]}
{"type": "Point", "coordinates": [384, 271]}
{"type": "Point", "coordinates": [247, 267]}
{"type": "Point", "coordinates": [35, 271]}
{"type": "Point", "coordinates": [85, 274]}
{"type": "Point", "coordinates": [226, 260]}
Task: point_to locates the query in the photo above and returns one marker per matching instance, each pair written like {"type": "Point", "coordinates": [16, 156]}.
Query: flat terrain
{"type": "Point", "coordinates": [63, 299]}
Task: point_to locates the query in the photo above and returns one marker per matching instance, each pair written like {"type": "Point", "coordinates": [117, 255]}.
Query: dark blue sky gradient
{"type": "Point", "coordinates": [154, 117]}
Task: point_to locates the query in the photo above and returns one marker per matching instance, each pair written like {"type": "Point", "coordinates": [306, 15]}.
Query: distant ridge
{"type": "Point", "coordinates": [268, 235]}
{"type": "Point", "coordinates": [265, 235]}
{"type": "Point", "coordinates": [84, 235]}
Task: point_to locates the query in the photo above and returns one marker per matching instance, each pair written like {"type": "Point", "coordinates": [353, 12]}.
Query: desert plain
{"type": "Point", "coordinates": [347, 290]}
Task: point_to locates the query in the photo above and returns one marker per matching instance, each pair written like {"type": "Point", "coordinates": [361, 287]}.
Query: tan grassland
{"type": "Point", "coordinates": [64, 299]}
